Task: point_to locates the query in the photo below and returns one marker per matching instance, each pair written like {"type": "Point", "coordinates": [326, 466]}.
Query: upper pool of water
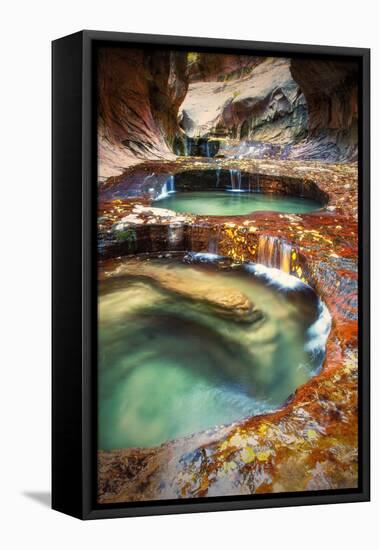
{"type": "Point", "coordinates": [225, 203]}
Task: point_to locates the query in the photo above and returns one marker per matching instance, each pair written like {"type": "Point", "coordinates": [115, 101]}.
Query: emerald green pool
{"type": "Point", "coordinates": [224, 203]}
{"type": "Point", "coordinates": [187, 347]}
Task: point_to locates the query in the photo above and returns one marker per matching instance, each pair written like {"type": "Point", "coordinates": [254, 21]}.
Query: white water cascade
{"type": "Point", "coordinates": [274, 252]}
{"type": "Point", "coordinates": [235, 181]}
{"type": "Point", "coordinates": [167, 188]}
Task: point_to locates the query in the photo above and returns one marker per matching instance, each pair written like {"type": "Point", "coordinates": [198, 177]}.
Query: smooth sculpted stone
{"type": "Point", "coordinates": [140, 93]}
{"type": "Point", "coordinates": [230, 303]}
{"type": "Point", "coordinates": [264, 105]}
{"type": "Point", "coordinates": [226, 301]}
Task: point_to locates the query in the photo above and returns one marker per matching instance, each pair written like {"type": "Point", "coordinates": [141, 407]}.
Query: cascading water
{"type": "Point", "coordinates": [258, 184]}
{"type": "Point", "coordinates": [274, 252]}
{"type": "Point", "coordinates": [171, 184]}
{"type": "Point", "coordinates": [214, 240]}
{"type": "Point", "coordinates": [219, 192]}
{"type": "Point", "coordinates": [285, 260]}
{"type": "Point", "coordinates": [218, 177]}
{"type": "Point", "coordinates": [199, 147]}
{"type": "Point", "coordinates": [235, 180]}
{"type": "Point", "coordinates": [167, 188]}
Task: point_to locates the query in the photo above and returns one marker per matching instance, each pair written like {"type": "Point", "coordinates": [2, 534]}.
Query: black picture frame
{"type": "Point", "coordinates": [74, 297]}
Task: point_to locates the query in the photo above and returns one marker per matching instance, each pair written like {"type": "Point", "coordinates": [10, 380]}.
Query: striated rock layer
{"type": "Point", "coordinates": [264, 104]}
{"type": "Point", "coordinates": [291, 126]}
{"type": "Point", "coordinates": [331, 92]}
{"type": "Point", "coordinates": [311, 443]}
{"type": "Point", "coordinates": [278, 108]}
{"type": "Point", "coordinates": [139, 94]}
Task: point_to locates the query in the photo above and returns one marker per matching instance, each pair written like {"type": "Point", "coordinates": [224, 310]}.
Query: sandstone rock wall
{"type": "Point", "coordinates": [260, 101]}
{"type": "Point", "coordinates": [139, 94]}
{"type": "Point", "coordinates": [207, 67]}
{"type": "Point", "coordinates": [331, 93]}
{"type": "Point", "coordinates": [304, 109]}
{"type": "Point", "coordinates": [258, 107]}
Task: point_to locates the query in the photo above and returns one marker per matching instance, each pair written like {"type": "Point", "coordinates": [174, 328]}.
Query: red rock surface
{"type": "Point", "coordinates": [139, 94]}
{"type": "Point", "coordinates": [264, 108]}
{"type": "Point", "coordinates": [309, 444]}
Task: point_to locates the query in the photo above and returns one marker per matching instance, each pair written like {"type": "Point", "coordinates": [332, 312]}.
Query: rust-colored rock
{"type": "Point", "coordinates": [305, 115]}
{"type": "Point", "coordinates": [139, 94]}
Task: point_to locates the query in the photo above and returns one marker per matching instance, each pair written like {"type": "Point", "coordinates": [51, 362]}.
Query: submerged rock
{"type": "Point", "coordinates": [231, 303]}
{"type": "Point", "coordinates": [227, 301]}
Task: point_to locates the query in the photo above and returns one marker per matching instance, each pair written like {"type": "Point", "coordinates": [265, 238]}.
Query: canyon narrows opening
{"type": "Point", "coordinates": [199, 335]}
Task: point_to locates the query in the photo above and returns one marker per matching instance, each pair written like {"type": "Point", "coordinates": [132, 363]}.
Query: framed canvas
{"type": "Point", "coordinates": [210, 275]}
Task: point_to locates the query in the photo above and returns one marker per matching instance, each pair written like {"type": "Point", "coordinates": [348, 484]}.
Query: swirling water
{"type": "Point", "coordinates": [176, 356]}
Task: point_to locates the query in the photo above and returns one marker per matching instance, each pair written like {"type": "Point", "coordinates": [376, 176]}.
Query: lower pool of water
{"type": "Point", "coordinates": [184, 347]}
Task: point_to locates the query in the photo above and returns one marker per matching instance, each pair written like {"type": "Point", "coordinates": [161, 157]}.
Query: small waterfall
{"type": "Point", "coordinates": [258, 188]}
{"type": "Point", "coordinates": [207, 149]}
{"type": "Point", "coordinates": [218, 177]}
{"type": "Point", "coordinates": [274, 252]}
{"type": "Point", "coordinates": [171, 184]}
{"type": "Point", "coordinates": [318, 333]}
{"type": "Point", "coordinates": [167, 188]}
{"type": "Point", "coordinates": [235, 180]}
{"type": "Point", "coordinates": [214, 239]}
{"type": "Point", "coordinates": [175, 236]}
{"type": "Point", "coordinates": [285, 257]}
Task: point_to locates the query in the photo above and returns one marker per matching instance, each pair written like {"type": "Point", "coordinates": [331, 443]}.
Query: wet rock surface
{"type": "Point", "coordinates": [227, 301]}
{"type": "Point", "coordinates": [311, 442]}
{"type": "Point", "coordinates": [261, 108]}
{"type": "Point", "coordinates": [290, 128]}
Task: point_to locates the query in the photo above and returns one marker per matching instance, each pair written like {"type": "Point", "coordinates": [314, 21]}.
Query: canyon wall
{"type": "Point", "coordinates": [276, 107]}
{"type": "Point", "coordinates": [139, 94]}
{"type": "Point", "coordinates": [150, 103]}
{"type": "Point", "coordinates": [331, 93]}
{"type": "Point", "coordinates": [258, 101]}
{"type": "Point", "coordinates": [206, 67]}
